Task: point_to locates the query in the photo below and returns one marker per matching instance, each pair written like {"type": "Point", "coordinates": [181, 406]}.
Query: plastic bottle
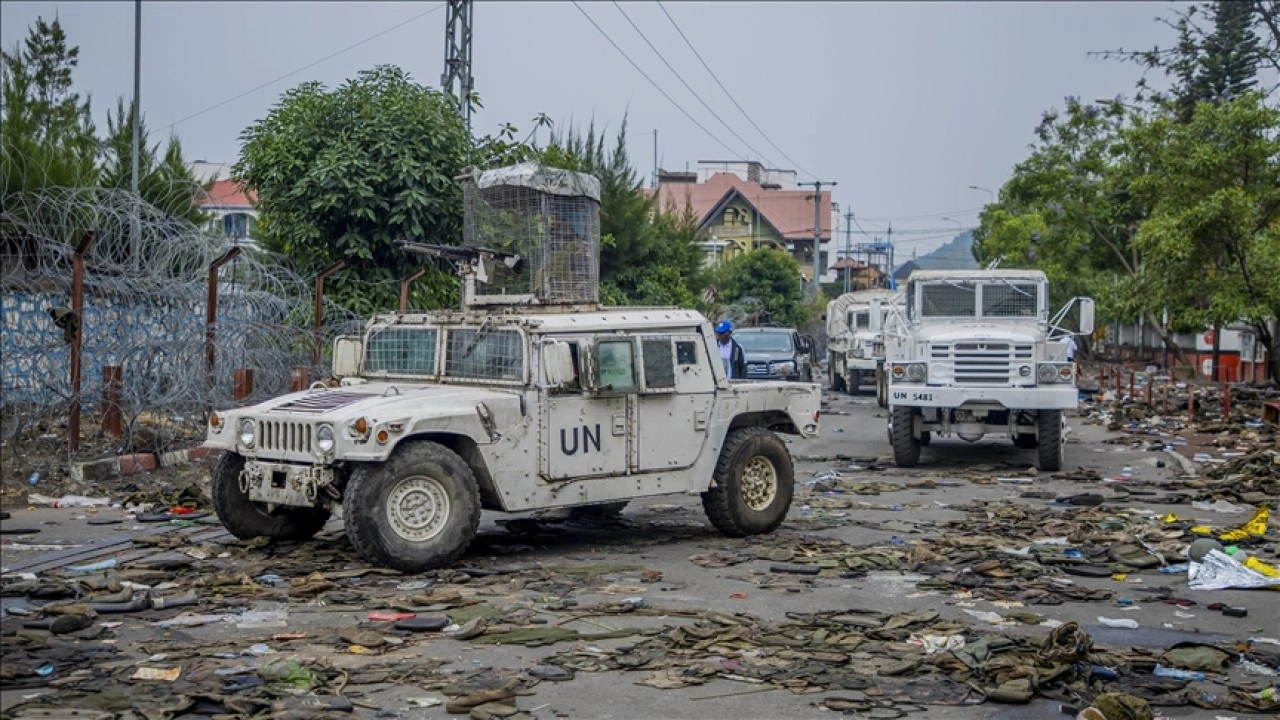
{"type": "Point", "coordinates": [1162, 671]}
{"type": "Point", "coordinates": [1118, 622]}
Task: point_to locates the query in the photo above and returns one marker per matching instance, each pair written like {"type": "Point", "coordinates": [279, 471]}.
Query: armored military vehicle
{"type": "Point", "coordinates": [530, 396]}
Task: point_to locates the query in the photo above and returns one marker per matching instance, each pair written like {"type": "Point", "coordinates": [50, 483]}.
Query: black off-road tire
{"type": "Point", "coordinates": [1049, 435]}
{"type": "Point", "coordinates": [926, 437]}
{"type": "Point", "coordinates": [247, 519]}
{"type": "Point", "coordinates": [906, 446]}
{"type": "Point", "coordinates": [882, 387]}
{"type": "Point", "coordinates": [602, 511]}
{"type": "Point", "coordinates": [835, 381]}
{"type": "Point", "coordinates": [753, 484]}
{"type": "Point", "coordinates": [855, 382]}
{"type": "Point", "coordinates": [417, 511]}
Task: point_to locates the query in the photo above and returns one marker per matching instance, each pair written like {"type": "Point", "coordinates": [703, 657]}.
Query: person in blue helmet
{"type": "Point", "coordinates": [731, 354]}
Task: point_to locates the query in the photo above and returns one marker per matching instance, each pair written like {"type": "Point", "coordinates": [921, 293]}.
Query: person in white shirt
{"type": "Point", "coordinates": [1070, 342]}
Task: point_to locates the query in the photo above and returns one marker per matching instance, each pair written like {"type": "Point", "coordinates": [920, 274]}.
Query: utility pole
{"type": "Point", "coordinates": [848, 230]}
{"type": "Point", "coordinates": [655, 158]}
{"type": "Point", "coordinates": [817, 229]}
{"type": "Point", "coordinates": [457, 55]}
{"type": "Point", "coordinates": [889, 282]}
{"type": "Point", "coordinates": [137, 86]}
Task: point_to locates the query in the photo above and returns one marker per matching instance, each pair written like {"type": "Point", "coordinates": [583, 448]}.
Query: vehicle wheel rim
{"type": "Point", "coordinates": [418, 508]}
{"type": "Point", "coordinates": [759, 483]}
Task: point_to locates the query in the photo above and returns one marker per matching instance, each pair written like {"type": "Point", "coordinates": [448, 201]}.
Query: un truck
{"type": "Point", "coordinates": [975, 352]}
{"type": "Point", "coordinates": [855, 344]}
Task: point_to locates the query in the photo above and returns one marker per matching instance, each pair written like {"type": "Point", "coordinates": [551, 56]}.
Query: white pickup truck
{"type": "Point", "coordinates": [975, 351]}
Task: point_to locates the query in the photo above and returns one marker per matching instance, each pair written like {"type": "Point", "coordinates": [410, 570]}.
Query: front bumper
{"type": "Point", "coordinates": [1050, 397]}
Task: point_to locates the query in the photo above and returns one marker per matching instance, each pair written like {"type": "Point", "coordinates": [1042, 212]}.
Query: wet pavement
{"type": "Point", "coordinates": [970, 587]}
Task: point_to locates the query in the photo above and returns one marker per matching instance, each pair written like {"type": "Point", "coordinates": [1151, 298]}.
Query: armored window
{"type": "Point", "coordinates": [1008, 299]}
{"type": "Point", "coordinates": [862, 320]}
{"type": "Point", "coordinates": [659, 364]}
{"type": "Point", "coordinates": [686, 352]}
{"type": "Point", "coordinates": [948, 299]}
{"type": "Point", "coordinates": [615, 366]}
{"type": "Point", "coordinates": [485, 354]}
{"type": "Point", "coordinates": [401, 351]}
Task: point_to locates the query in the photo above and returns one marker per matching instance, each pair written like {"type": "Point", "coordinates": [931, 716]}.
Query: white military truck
{"type": "Point", "coordinates": [855, 344]}
{"type": "Point", "coordinates": [975, 351]}
{"type": "Point", "coordinates": [534, 399]}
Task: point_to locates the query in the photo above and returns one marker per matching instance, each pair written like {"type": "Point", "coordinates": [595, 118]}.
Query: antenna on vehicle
{"type": "Point", "coordinates": [995, 263]}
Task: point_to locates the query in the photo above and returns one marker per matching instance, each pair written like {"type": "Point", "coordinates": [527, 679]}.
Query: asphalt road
{"type": "Point", "coordinates": [662, 534]}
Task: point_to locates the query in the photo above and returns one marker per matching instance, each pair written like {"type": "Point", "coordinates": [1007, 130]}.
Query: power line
{"type": "Point", "coordinates": [686, 85]}
{"type": "Point", "coordinates": [304, 67]}
{"type": "Point", "coordinates": [651, 82]}
{"type": "Point", "coordinates": [730, 95]}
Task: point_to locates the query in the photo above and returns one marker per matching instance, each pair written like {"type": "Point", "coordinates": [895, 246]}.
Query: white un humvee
{"type": "Point", "coordinates": [515, 402]}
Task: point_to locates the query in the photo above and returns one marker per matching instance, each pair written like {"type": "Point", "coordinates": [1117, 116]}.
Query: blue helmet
{"type": "Point", "coordinates": [724, 326]}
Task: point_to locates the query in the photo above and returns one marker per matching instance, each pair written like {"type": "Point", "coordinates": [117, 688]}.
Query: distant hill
{"type": "Point", "coordinates": [955, 255]}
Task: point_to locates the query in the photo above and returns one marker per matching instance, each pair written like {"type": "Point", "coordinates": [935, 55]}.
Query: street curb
{"type": "Point", "coordinates": [95, 470]}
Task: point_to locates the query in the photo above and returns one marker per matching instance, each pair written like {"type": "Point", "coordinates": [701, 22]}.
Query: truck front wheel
{"type": "Point", "coordinates": [1049, 434]}
{"type": "Point", "coordinates": [854, 382]}
{"type": "Point", "coordinates": [882, 387]}
{"type": "Point", "coordinates": [754, 481]}
{"type": "Point", "coordinates": [247, 519]}
{"type": "Point", "coordinates": [906, 446]}
{"type": "Point", "coordinates": [417, 511]}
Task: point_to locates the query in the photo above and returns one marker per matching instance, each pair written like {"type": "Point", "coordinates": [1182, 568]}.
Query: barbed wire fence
{"type": "Point", "coordinates": [145, 289]}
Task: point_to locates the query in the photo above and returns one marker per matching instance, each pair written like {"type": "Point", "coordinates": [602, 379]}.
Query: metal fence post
{"type": "Point", "coordinates": [318, 315]}
{"type": "Point", "coordinates": [211, 321]}
{"type": "Point", "coordinates": [77, 309]}
{"type": "Point", "coordinates": [297, 379]}
{"type": "Point", "coordinates": [242, 386]}
{"type": "Point", "coordinates": [404, 287]}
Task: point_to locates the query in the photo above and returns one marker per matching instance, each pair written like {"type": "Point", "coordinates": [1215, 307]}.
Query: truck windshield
{"type": "Point", "coordinates": [401, 351]}
{"type": "Point", "coordinates": [764, 342]}
{"type": "Point", "coordinates": [998, 299]}
{"type": "Point", "coordinates": [861, 320]}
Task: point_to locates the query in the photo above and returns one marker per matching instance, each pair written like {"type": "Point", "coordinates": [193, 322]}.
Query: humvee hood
{"type": "Point", "coordinates": [385, 399]}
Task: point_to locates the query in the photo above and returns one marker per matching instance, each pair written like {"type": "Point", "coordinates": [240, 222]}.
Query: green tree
{"type": "Point", "coordinates": [164, 182]}
{"type": "Point", "coordinates": [770, 279]}
{"type": "Point", "coordinates": [1214, 188]}
{"type": "Point", "coordinates": [46, 130]}
{"type": "Point", "coordinates": [345, 174]}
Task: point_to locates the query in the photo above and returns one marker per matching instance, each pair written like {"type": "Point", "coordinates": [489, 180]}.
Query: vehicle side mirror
{"type": "Point", "coordinates": [876, 309]}
{"type": "Point", "coordinates": [348, 350]}
{"type": "Point", "coordinates": [557, 365]}
{"type": "Point", "coordinates": [1086, 316]}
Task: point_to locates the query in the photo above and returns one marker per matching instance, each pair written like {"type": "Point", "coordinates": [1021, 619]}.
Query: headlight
{"type": "Point", "coordinates": [215, 423]}
{"type": "Point", "coordinates": [1047, 373]}
{"type": "Point", "coordinates": [248, 432]}
{"type": "Point", "coordinates": [1025, 371]}
{"type": "Point", "coordinates": [916, 372]}
{"type": "Point", "coordinates": [324, 438]}
{"type": "Point", "coordinates": [784, 368]}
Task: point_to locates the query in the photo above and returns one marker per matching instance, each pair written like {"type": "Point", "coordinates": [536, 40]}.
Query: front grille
{"type": "Point", "coordinates": [757, 369]}
{"type": "Point", "coordinates": [979, 363]}
{"type": "Point", "coordinates": [284, 436]}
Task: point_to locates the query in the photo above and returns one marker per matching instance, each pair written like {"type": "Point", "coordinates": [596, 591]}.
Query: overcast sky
{"type": "Point", "coordinates": [904, 104]}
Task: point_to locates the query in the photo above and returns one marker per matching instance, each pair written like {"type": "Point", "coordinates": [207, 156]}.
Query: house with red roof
{"type": "Point", "coordinates": [742, 206]}
{"type": "Point", "coordinates": [232, 209]}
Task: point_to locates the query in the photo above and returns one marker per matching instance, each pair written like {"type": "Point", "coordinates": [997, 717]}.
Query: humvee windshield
{"type": "Point", "coordinates": [401, 351]}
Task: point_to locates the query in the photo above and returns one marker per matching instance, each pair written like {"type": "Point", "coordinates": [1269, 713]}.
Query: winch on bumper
{"type": "Point", "coordinates": [286, 484]}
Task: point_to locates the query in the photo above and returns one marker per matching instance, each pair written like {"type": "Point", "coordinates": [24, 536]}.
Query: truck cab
{"type": "Point", "coordinates": [976, 352]}
{"type": "Point", "coordinates": [855, 341]}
